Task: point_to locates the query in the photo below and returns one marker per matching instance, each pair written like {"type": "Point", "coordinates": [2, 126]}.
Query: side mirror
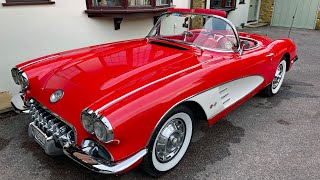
{"type": "Point", "coordinates": [244, 45]}
{"type": "Point", "coordinates": [185, 34]}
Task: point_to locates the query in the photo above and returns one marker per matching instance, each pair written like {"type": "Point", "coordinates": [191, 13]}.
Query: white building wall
{"type": "Point", "coordinates": [239, 15]}
{"type": "Point", "coordinates": [182, 3]}
{"type": "Point", "coordinates": [28, 32]}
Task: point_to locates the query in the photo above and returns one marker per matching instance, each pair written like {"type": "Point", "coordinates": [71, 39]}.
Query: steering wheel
{"type": "Point", "coordinates": [228, 44]}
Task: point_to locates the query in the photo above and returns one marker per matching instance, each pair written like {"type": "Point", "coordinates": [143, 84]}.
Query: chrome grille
{"type": "Point", "coordinates": [51, 125]}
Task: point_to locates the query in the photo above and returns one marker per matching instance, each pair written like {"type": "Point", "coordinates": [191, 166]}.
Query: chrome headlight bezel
{"type": "Point", "coordinates": [24, 81]}
{"type": "Point", "coordinates": [107, 135]}
{"type": "Point", "coordinates": [15, 75]}
{"type": "Point", "coordinates": [98, 125]}
{"type": "Point", "coordinates": [20, 78]}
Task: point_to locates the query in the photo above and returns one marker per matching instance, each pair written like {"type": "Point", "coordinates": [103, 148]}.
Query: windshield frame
{"type": "Point", "coordinates": [191, 44]}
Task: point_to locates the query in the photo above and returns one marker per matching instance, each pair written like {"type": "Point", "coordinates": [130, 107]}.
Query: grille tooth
{"type": "Point", "coordinates": [62, 130]}
{"type": "Point", "coordinates": [52, 121]}
{"type": "Point", "coordinates": [50, 125]}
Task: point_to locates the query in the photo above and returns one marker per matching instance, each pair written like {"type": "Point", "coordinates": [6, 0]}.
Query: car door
{"type": "Point", "coordinates": [223, 82]}
{"type": "Point", "coordinates": [237, 76]}
{"type": "Point", "coordinates": [257, 62]}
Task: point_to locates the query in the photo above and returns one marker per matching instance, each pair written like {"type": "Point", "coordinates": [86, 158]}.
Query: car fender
{"type": "Point", "coordinates": [135, 118]}
{"type": "Point", "coordinates": [280, 48]}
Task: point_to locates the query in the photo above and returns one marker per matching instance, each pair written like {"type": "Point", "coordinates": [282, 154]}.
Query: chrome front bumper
{"type": "Point", "coordinates": [18, 104]}
{"type": "Point", "coordinates": [91, 156]}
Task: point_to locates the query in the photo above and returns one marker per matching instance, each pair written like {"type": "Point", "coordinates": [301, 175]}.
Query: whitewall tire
{"type": "Point", "coordinates": [274, 87]}
{"type": "Point", "coordinates": [278, 77]}
{"type": "Point", "coordinates": [169, 141]}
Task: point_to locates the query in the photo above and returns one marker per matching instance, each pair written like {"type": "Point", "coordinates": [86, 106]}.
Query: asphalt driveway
{"type": "Point", "coordinates": [265, 138]}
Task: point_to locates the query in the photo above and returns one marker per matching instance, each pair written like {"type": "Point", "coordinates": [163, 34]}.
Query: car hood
{"type": "Point", "coordinates": [99, 75]}
{"type": "Point", "coordinates": [109, 71]}
{"type": "Point", "coordinates": [122, 69]}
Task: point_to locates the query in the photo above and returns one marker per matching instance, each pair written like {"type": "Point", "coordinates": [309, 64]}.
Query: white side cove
{"type": "Point", "coordinates": [221, 97]}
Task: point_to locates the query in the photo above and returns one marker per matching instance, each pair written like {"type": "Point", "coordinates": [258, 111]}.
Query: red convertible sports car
{"type": "Point", "coordinates": [115, 106]}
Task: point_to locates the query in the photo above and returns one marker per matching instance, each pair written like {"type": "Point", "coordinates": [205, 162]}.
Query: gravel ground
{"type": "Point", "coordinates": [265, 138]}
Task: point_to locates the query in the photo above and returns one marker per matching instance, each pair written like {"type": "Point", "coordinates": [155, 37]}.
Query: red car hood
{"type": "Point", "coordinates": [95, 76]}
{"type": "Point", "coordinates": [106, 72]}
{"type": "Point", "coordinates": [120, 70]}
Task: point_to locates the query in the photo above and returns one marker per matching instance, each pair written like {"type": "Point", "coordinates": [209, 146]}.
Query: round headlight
{"type": "Point", "coordinates": [101, 131]}
{"type": "Point", "coordinates": [56, 96]}
{"type": "Point", "coordinates": [15, 75]}
{"type": "Point", "coordinates": [87, 123]}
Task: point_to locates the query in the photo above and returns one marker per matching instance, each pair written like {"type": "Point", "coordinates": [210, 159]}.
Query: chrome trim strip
{"type": "Point", "coordinates": [40, 60]}
{"type": "Point", "coordinates": [226, 101]}
{"type": "Point", "coordinates": [106, 123]}
{"type": "Point", "coordinates": [223, 90]}
{"type": "Point", "coordinates": [250, 39]}
{"type": "Point", "coordinates": [224, 95]}
{"type": "Point", "coordinates": [93, 164]}
{"type": "Point", "coordinates": [147, 85]}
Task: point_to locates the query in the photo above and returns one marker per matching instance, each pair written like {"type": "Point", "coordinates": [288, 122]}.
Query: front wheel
{"type": "Point", "coordinates": [169, 142]}
{"type": "Point", "coordinates": [277, 81]}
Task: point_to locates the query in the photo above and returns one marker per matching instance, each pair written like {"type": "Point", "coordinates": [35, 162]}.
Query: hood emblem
{"type": "Point", "coordinates": [56, 96]}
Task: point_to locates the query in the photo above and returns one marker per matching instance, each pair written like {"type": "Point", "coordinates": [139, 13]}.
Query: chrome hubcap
{"type": "Point", "coordinates": [170, 140]}
{"type": "Point", "coordinates": [277, 79]}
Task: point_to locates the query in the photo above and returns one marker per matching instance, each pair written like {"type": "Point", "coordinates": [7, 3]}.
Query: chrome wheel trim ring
{"type": "Point", "coordinates": [165, 166]}
{"type": "Point", "coordinates": [170, 140]}
{"type": "Point", "coordinates": [279, 76]}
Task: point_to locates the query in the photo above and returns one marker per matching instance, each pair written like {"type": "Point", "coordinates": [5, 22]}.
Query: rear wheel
{"type": "Point", "coordinates": [277, 81]}
{"type": "Point", "coordinates": [169, 142]}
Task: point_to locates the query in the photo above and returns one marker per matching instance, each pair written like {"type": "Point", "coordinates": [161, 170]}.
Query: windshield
{"type": "Point", "coordinates": [204, 31]}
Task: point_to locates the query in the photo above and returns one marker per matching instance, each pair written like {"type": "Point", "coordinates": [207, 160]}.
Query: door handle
{"type": "Point", "coordinates": [270, 55]}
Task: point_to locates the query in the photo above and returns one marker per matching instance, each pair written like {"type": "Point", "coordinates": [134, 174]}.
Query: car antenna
{"type": "Point", "coordinates": [294, 15]}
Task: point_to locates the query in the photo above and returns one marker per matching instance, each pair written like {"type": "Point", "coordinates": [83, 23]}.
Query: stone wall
{"type": "Point", "coordinates": [197, 22]}
{"type": "Point", "coordinates": [318, 21]}
{"type": "Point", "coordinates": [266, 11]}
{"type": "Point", "coordinates": [198, 4]}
